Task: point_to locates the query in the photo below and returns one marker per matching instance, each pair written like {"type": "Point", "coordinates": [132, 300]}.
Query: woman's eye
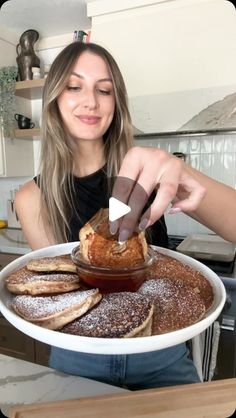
{"type": "Point", "coordinates": [73, 88]}
{"type": "Point", "coordinates": [105, 92]}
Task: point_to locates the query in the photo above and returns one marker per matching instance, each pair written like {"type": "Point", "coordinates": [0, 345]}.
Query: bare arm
{"type": "Point", "coordinates": [27, 205]}
{"type": "Point", "coordinates": [217, 210]}
{"type": "Point", "coordinates": [190, 191]}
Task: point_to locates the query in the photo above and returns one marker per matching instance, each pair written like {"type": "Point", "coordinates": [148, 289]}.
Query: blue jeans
{"type": "Point", "coordinates": [167, 367]}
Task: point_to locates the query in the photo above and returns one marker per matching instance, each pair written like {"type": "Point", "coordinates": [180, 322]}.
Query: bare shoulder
{"type": "Point", "coordinates": [27, 202]}
{"type": "Point", "coordinates": [27, 196]}
{"type": "Point", "coordinates": [29, 191]}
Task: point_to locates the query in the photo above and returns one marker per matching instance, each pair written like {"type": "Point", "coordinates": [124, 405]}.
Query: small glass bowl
{"type": "Point", "coordinates": [110, 279]}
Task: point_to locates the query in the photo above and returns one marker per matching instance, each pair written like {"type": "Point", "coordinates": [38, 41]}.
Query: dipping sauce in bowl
{"type": "Point", "coordinates": [110, 279]}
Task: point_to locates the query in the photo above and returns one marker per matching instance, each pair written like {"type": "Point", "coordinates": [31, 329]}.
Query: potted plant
{"type": "Point", "coordinates": [7, 98]}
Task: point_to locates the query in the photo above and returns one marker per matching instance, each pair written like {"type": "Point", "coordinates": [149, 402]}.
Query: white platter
{"type": "Point", "coordinates": [110, 345]}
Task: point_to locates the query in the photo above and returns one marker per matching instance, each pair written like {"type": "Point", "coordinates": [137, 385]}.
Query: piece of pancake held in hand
{"type": "Point", "coordinates": [118, 315]}
{"type": "Point", "coordinates": [164, 267]}
{"type": "Point", "coordinates": [99, 248]}
{"type": "Point", "coordinates": [176, 305]}
{"type": "Point", "coordinates": [53, 312]}
{"type": "Point", "coordinates": [25, 282]}
{"type": "Point", "coordinates": [61, 263]}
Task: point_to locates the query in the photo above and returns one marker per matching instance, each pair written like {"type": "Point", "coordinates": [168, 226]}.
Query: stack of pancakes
{"type": "Point", "coordinates": [48, 291]}
{"type": "Point", "coordinates": [44, 295]}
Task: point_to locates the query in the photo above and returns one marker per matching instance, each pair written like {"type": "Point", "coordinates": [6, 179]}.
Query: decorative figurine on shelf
{"type": "Point", "coordinates": [79, 36]}
{"type": "Point", "coordinates": [26, 57]}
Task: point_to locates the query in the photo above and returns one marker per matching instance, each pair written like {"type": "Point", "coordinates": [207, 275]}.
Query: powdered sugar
{"type": "Point", "coordinates": [36, 307]}
{"type": "Point", "coordinates": [176, 305]}
{"type": "Point", "coordinates": [116, 315]}
{"type": "Point", "coordinates": [23, 275]}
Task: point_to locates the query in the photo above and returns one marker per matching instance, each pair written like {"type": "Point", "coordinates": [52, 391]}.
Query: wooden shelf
{"type": "Point", "coordinates": [26, 133]}
{"type": "Point", "coordinates": [30, 89]}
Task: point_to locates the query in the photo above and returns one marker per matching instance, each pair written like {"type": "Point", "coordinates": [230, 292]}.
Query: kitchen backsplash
{"type": "Point", "coordinates": [213, 155]}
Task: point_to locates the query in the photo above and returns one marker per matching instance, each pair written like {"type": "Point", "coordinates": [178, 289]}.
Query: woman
{"type": "Point", "coordinates": [86, 141]}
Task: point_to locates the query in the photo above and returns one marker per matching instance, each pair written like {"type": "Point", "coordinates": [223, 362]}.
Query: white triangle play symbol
{"type": "Point", "coordinates": [117, 209]}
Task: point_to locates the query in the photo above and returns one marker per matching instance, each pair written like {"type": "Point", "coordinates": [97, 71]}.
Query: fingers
{"type": "Point", "coordinates": [137, 201]}
{"type": "Point", "coordinates": [135, 196]}
{"type": "Point", "coordinates": [146, 169]}
{"type": "Point", "coordinates": [122, 190]}
{"type": "Point", "coordinates": [133, 193]}
{"type": "Point", "coordinates": [196, 193]}
{"type": "Point", "coordinates": [166, 193]}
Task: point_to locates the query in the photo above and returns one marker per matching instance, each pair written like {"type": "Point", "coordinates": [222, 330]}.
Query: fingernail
{"type": "Point", "coordinates": [123, 236]}
{"type": "Point", "coordinates": [172, 211]}
{"type": "Point", "coordinates": [143, 224]}
{"type": "Point", "coordinates": [114, 227]}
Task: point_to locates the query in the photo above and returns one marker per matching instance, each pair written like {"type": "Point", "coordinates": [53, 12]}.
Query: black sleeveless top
{"type": "Point", "coordinates": [90, 194]}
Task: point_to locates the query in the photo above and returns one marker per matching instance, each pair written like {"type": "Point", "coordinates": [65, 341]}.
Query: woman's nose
{"type": "Point", "coordinates": [90, 100]}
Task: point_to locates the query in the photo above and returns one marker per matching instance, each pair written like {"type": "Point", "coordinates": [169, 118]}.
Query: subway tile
{"type": "Point", "coordinates": [142, 142]}
{"type": "Point", "coordinates": [187, 159]}
{"type": "Point", "coordinates": [228, 174]}
{"type": "Point", "coordinates": [194, 160]}
{"type": "Point", "coordinates": [229, 144]}
{"type": "Point", "coordinates": [218, 143]}
{"type": "Point", "coordinates": [184, 146]}
{"type": "Point", "coordinates": [206, 145]}
{"type": "Point", "coordinates": [164, 144]}
{"type": "Point", "coordinates": [195, 146]}
{"type": "Point", "coordinates": [173, 145]}
{"type": "Point", "coordinates": [206, 164]}
{"type": "Point", "coordinates": [217, 166]}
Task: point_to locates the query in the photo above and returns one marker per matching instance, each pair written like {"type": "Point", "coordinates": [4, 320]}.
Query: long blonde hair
{"type": "Point", "coordinates": [56, 161]}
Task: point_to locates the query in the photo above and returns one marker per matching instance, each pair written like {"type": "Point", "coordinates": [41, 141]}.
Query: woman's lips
{"type": "Point", "coordinates": [89, 120]}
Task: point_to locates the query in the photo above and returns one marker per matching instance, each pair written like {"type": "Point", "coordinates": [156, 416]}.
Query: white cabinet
{"type": "Point", "coordinates": [16, 157]}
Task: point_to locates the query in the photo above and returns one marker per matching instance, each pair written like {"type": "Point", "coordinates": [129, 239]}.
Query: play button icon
{"type": "Point", "coordinates": [117, 209]}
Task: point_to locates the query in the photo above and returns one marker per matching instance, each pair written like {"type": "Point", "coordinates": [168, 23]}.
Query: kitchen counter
{"type": "Point", "coordinates": [23, 382]}
{"type": "Point", "coordinates": [12, 241]}
{"type": "Point", "coordinates": [198, 400]}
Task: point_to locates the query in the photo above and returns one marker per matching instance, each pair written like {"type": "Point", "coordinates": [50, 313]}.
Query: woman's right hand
{"type": "Point", "coordinates": [145, 170]}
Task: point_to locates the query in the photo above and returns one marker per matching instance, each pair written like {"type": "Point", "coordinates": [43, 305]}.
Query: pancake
{"type": "Point", "coordinates": [99, 248]}
{"type": "Point", "coordinates": [118, 315]}
{"type": "Point", "coordinates": [48, 264]}
{"type": "Point", "coordinates": [23, 281]}
{"type": "Point", "coordinates": [53, 312]}
{"type": "Point", "coordinates": [176, 305]}
{"type": "Point", "coordinates": [166, 267]}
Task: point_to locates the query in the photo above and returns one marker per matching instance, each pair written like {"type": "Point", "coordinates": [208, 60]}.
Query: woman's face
{"type": "Point", "coordinates": [87, 103]}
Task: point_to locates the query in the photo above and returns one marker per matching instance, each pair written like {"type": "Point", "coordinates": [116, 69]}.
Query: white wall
{"type": "Point", "coordinates": [178, 57]}
{"type": "Point", "coordinates": [171, 46]}
{"type": "Point", "coordinates": [8, 43]}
